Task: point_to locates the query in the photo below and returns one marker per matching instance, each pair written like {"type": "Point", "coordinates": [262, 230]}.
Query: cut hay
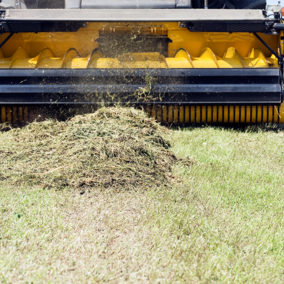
{"type": "Point", "coordinates": [113, 147]}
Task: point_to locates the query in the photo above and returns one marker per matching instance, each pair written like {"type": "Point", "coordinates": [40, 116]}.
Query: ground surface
{"type": "Point", "coordinates": [224, 224]}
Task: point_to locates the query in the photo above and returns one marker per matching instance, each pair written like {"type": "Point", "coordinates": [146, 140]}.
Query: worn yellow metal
{"type": "Point", "coordinates": [186, 49]}
{"type": "Point", "coordinates": [182, 59]}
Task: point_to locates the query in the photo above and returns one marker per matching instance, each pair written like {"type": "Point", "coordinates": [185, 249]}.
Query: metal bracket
{"type": "Point", "coordinates": [268, 26]}
{"type": "Point", "coordinates": [267, 46]}
{"type": "Point", "coordinates": [1, 28]}
{"type": "Point", "coordinates": [280, 61]}
{"type": "Point", "coordinates": [31, 26]}
{"type": "Point", "coordinates": [228, 26]}
{"type": "Point", "coordinates": [2, 16]}
{"type": "Point", "coordinates": [5, 40]}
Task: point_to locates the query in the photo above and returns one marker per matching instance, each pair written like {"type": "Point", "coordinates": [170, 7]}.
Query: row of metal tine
{"type": "Point", "coordinates": [187, 114]}
{"type": "Point", "coordinates": [167, 114]}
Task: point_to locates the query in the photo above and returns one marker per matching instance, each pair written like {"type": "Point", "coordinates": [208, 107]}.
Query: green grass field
{"type": "Point", "coordinates": [224, 223]}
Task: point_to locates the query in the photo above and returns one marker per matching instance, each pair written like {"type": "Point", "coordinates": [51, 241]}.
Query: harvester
{"type": "Point", "coordinates": [182, 61]}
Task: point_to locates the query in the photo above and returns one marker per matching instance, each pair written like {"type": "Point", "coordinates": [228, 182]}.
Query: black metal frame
{"type": "Point", "coordinates": [140, 86]}
{"type": "Point", "coordinates": [41, 26]}
{"type": "Point", "coordinates": [124, 86]}
{"type": "Point", "coordinates": [269, 26]}
{"type": "Point", "coordinates": [228, 26]}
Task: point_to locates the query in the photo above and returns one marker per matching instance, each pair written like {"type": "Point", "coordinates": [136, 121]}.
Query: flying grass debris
{"type": "Point", "coordinates": [113, 147]}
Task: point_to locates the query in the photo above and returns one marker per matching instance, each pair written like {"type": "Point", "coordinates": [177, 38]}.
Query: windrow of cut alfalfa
{"type": "Point", "coordinates": [113, 147]}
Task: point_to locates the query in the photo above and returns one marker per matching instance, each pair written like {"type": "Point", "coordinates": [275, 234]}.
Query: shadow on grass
{"type": "Point", "coordinates": [243, 128]}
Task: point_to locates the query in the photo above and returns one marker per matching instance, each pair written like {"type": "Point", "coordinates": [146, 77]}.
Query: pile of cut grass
{"type": "Point", "coordinates": [113, 147]}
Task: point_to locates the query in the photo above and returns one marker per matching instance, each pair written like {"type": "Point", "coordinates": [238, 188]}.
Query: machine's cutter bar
{"type": "Point", "coordinates": [151, 86]}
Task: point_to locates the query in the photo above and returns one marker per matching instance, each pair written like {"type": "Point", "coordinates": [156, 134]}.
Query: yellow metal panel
{"type": "Point", "coordinates": [281, 42]}
{"type": "Point", "coordinates": [84, 41]}
{"type": "Point", "coordinates": [259, 114]}
{"type": "Point", "coordinates": [270, 114]}
{"type": "Point", "coordinates": [143, 60]}
{"type": "Point", "coordinates": [37, 113]}
{"type": "Point", "coordinates": [148, 110]}
{"type": "Point", "coordinates": [231, 114]}
{"type": "Point", "coordinates": [220, 114]}
{"type": "Point", "coordinates": [281, 113]}
{"type": "Point", "coordinates": [26, 114]}
{"type": "Point", "coordinates": [9, 114]}
{"type": "Point", "coordinates": [276, 114]}
{"type": "Point", "coordinates": [207, 59]}
{"type": "Point", "coordinates": [217, 42]}
{"type": "Point", "coordinates": [20, 115]}
{"type": "Point", "coordinates": [45, 54]}
{"type": "Point", "coordinates": [272, 61]}
{"type": "Point", "coordinates": [15, 114]}
{"type": "Point", "coordinates": [68, 57]}
{"type": "Point", "coordinates": [198, 114]}
{"type": "Point", "coordinates": [248, 114]}
{"type": "Point", "coordinates": [72, 59]}
{"type": "Point", "coordinates": [192, 114]}
{"type": "Point", "coordinates": [170, 114]}
{"type": "Point", "coordinates": [181, 114]}
{"type": "Point", "coordinates": [77, 63]}
{"type": "Point", "coordinates": [204, 114]}
{"type": "Point", "coordinates": [215, 114]}
{"type": "Point", "coordinates": [18, 56]}
{"type": "Point", "coordinates": [5, 63]}
{"type": "Point", "coordinates": [243, 114]}
{"type": "Point", "coordinates": [3, 114]}
{"type": "Point", "coordinates": [93, 59]}
{"type": "Point", "coordinates": [264, 114]}
{"type": "Point", "coordinates": [165, 114]}
{"type": "Point", "coordinates": [159, 113]}
{"type": "Point", "coordinates": [253, 114]}
{"type": "Point", "coordinates": [154, 112]}
{"type": "Point", "coordinates": [256, 59]}
{"type": "Point", "coordinates": [47, 63]}
{"type": "Point", "coordinates": [187, 114]}
{"type": "Point", "coordinates": [31, 114]}
{"type": "Point", "coordinates": [209, 114]}
{"type": "Point", "coordinates": [108, 63]}
{"type": "Point", "coordinates": [181, 60]}
{"type": "Point", "coordinates": [176, 114]}
{"type": "Point", "coordinates": [231, 59]}
{"type": "Point", "coordinates": [226, 114]}
{"type": "Point", "coordinates": [187, 50]}
{"type": "Point", "coordinates": [26, 63]}
{"type": "Point", "coordinates": [237, 114]}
